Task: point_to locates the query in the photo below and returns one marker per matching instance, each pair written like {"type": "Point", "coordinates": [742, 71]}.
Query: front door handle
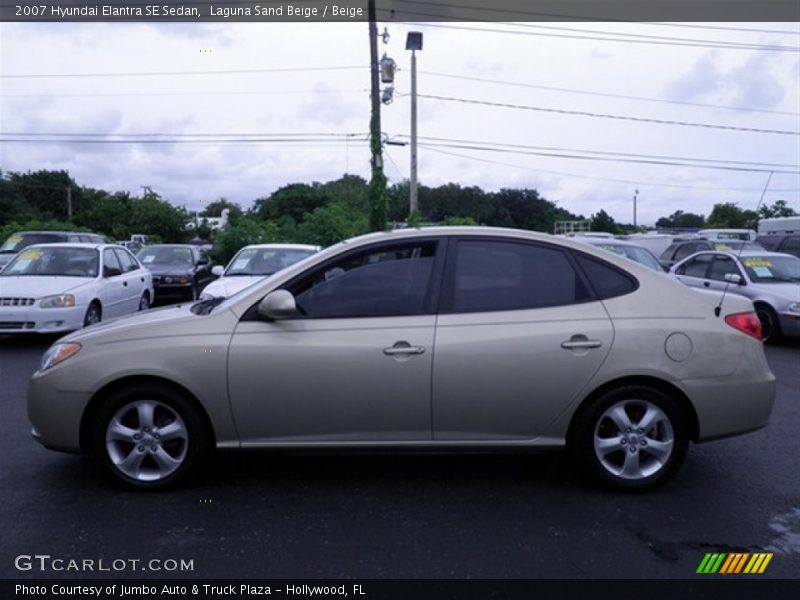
{"type": "Point", "coordinates": [397, 349]}
{"type": "Point", "coordinates": [125, 283]}
{"type": "Point", "coordinates": [572, 345]}
{"type": "Point", "coordinates": [707, 283]}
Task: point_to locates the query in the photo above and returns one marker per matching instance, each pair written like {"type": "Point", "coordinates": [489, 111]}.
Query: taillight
{"type": "Point", "coordinates": [746, 322]}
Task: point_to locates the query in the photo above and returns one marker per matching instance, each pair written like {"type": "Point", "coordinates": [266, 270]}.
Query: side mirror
{"type": "Point", "coordinates": [217, 270]}
{"type": "Point", "coordinates": [277, 305]}
{"type": "Point", "coordinates": [111, 272]}
{"type": "Point", "coordinates": [734, 278]}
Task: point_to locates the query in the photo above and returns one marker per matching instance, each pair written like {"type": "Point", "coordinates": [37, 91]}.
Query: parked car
{"type": "Point", "coordinates": [253, 263]}
{"type": "Point", "coordinates": [747, 235]}
{"type": "Point", "coordinates": [538, 342]}
{"type": "Point", "coordinates": [771, 280]}
{"type": "Point", "coordinates": [656, 242]}
{"type": "Point", "coordinates": [629, 250]}
{"type": "Point", "coordinates": [788, 243]}
{"type": "Point", "coordinates": [180, 271]}
{"type": "Point", "coordinates": [680, 250]}
{"type": "Point", "coordinates": [50, 288]}
{"type": "Point", "coordinates": [23, 239]}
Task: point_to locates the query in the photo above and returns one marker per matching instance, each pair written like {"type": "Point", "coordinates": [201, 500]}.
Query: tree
{"type": "Point", "coordinates": [682, 220]}
{"type": "Point", "coordinates": [729, 215]}
{"type": "Point", "coordinates": [153, 216]}
{"type": "Point", "coordinates": [215, 208]}
{"type": "Point", "coordinates": [294, 200]}
{"type": "Point", "coordinates": [602, 221]}
{"type": "Point", "coordinates": [778, 209]}
{"type": "Point", "coordinates": [331, 224]}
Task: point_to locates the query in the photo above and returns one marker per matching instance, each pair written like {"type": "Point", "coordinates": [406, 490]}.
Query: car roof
{"type": "Point", "coordinates": [57, 232]}
{"type": "Point", "coordinates": [75, 245]}
{"type": "Point", "coordinates": [192, 246]}
{"type": "Point", "coordinates": [612, 242]}
{"type": "Point", "coordinates": [283, 246]}
{"type": "Point", "coordinates": [744, 253]}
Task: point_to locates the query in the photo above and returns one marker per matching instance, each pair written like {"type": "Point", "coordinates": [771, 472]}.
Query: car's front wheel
{"type": "Point", "coordinates": [93, 314]}
{"type": "Point", "coordinates": [770, 327]}
{"type": "Point", "coordinates": [632, 439]}
{"type": "Point", "coordinates": [150, 437]}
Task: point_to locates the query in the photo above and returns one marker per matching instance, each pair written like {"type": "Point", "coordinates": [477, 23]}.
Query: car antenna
{"type": "Point", "coordinates": [718, 308]}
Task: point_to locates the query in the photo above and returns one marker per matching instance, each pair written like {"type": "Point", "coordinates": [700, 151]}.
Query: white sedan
{"type": "Point", "coordinates": [253, 263]}
{"type": "Point", "coordinates": [50, 288]}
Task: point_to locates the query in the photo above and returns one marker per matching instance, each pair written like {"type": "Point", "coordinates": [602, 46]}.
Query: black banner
{"type": "Point", "coordinates": [368, 589]}
{"type": "Point", "coordinates": [401, 10]}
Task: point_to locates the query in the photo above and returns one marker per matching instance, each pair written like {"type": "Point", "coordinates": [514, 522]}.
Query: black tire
{"type": "Point", "coordinates": [653, 469]}
{"type": "Point", "coordinates": [94, 314]}
{"type": "Point", "coordinates": [171, 409]}
{"type": "Point", "coordinates": [144, 303]}
{"type": "Point", "coordinates": [770, 325]}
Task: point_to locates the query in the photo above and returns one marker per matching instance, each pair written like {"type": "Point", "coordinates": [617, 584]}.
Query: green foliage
{"type": "Point", "coordinates": [602, 221]}
{"type": "Point", "coordinates": [729, 215]}
{"type": "Point", "coordinates": [456, 221]}
{"type": "Point", "coordinates": [779, 208]}
{"type": "Point", "coordinates": [331, 224]}
{"type": "Point", "coordinates": [681, 219]}
{"type": "Point", "coordinates": [153, 216]}
{"type": "Point", "coordinates": [214, 209]}
{"type": "Point", "coordinates": [379, 201]}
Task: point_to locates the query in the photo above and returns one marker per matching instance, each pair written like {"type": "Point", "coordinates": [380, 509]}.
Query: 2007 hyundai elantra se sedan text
{"type": "Point", "coordinates": [440, 339]}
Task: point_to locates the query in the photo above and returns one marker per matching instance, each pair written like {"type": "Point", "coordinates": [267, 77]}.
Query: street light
{"type": "Point", "coordinates": [413, 43]}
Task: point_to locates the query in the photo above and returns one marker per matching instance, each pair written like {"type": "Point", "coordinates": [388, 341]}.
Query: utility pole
{"type": "Point", "coordinates": [377, 184]}
{"type": "Point", "coordinates": [413, 43]}
{"type": "Point", "coordinates": [636, 193]}
{"type": "Point", "coordinates": [69, 203]}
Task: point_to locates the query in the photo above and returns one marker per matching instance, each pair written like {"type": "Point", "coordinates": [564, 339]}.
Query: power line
{"type": "Point", "coordinates": [135, 94]}
{"type": "Point", "coordinates": [202, 134]}
{"type": "Point", "coordinates": [629, 40]}
{"type": "Point", "coordinates": [609, 179]}
{"type": "Point", "coordinates": [606, 94]}
{"type": "Point", "coordinates": [606, 152]}
{"type": "Point", "coordinates": [583, 113]}
{"type": "Point", "coordinates": [608, 159]}
{"type": "Point", "coordinates": [173, 73]}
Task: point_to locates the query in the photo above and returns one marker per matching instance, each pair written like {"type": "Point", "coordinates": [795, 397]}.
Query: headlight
{"type": "Point", "coordinates": [166, 279]}
{"type": "Point", "coordinates": [60, 301]}
{"type": "Point", "coordinates": [794, 307]}
{"type": "Point", "coordinates": [58, 353]}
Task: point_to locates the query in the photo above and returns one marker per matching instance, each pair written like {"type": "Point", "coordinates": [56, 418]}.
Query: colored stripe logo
{"type": "Point", "coordinates": [734, 563]}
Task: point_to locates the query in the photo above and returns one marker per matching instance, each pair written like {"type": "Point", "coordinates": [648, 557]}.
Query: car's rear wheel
{"type": "Point", "coordinates": [633, 438]}
{"type": "Point", "coordinates": [150, 437]}
{"type": "Point", "coordinates": [94, 314]}
{"type": "Point", "coordinates": [770, 327]}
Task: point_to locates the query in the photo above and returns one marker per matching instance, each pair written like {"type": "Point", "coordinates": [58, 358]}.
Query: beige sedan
{"type": "Point", "coordinates": [447, 338]}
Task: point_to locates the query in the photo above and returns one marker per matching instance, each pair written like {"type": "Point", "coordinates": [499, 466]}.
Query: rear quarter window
{"type": "Point", "coordinates": [607, 280]}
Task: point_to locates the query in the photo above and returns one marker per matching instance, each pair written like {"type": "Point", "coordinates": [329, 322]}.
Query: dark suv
{"type": "Point", "coordinates": [677, 251]}
{"type": "Point", "coordinates": [788, 243]}
{"type": "Point", "coordinates": [23, 239]}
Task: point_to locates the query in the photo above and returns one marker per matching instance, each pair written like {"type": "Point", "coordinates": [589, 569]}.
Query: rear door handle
{"type": "Point", "coordinates": [581, 344]}
{"type": "Point", "coordinates": [399, 350]}
{"type": "Point", "coordinates": [125, 283]}
{"type": "Point", "coordinates": [707, 283]}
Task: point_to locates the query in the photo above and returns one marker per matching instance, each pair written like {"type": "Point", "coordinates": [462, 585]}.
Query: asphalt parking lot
{"type": "Point", "coordinates": [476, 516]}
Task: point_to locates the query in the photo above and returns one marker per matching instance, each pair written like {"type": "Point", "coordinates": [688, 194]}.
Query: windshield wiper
{"type": "Point", "coordinates": [203, 307]}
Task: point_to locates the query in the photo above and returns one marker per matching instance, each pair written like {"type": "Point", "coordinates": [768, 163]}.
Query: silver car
{"type": "Point", "coordinates": [770, 279]}
{"type": "Point", "coordinates": [436, 339]}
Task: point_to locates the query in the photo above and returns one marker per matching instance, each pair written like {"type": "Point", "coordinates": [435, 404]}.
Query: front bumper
{"type": "Point", "coordinates": [172, 290]}
{"type": "Point", "coordinates": [790, 324]}
{"type": "Point", "coordinates": [20, 319]}
{"type": "Point", "coordinates": [55, 414]}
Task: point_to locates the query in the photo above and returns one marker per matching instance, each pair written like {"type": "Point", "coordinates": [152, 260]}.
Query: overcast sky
{"type": "Point", "coordinates": [336, 101]}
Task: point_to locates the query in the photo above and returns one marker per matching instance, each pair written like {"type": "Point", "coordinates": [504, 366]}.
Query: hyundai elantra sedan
{"type": "Point", "coordinates": [429, 339]}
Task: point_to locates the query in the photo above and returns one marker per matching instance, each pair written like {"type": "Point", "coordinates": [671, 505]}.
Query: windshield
{"type": "Point", "coordinates": [264, 261]}
{"type": "Point", "coordinates": [18, 241]}
{"type": "Point", "coordinates": [772, 269]}
{"type": "Point", "coordinates": [54, 260]}
{"type": "Point", "coordinates": [640, 255]}
{"type": "Point", "coordinates": [166, 255]}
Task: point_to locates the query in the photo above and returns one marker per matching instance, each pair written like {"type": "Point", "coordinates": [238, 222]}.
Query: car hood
{"type": "Point", "coordinates": [787, 291]}
{"type": "Point", "coordinates": [169, 269]}
{"type": "Point", "coordinates": [225, 287]}
{"type": "Point", "coordinates": [153, 318]}
{"type": "Point", "coordinates": [37, 286]}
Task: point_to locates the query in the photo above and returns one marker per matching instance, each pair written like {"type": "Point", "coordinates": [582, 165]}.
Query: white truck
{"type": "Point", "coordinates": [779, 225]}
